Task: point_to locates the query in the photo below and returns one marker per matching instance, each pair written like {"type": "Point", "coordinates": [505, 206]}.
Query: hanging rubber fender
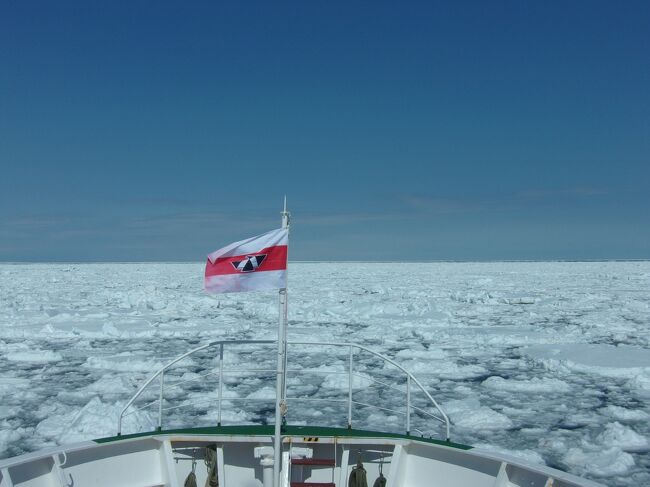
{"type": "Point", "coordinates": [381, 481]}
{"type": "Point", "coordinates": [190, 481]}
{"type": "Point", "coordinates": [358, 477]}
{"type": "Point", "coordinates": [211, 463]}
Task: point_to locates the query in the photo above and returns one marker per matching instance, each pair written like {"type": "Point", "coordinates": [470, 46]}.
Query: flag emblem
{"type": "Point", "coordinates": [254, 264]}
{"type": "Point", "coordinates": [249, 264]}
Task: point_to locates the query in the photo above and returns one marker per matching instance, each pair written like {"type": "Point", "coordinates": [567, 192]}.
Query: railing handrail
{"type": "Point", "coordinates": [410, 377]}
{"type": "Point", "coordinates": [178, 359]}
{"type": "Point", "coordinates": [392, 362]}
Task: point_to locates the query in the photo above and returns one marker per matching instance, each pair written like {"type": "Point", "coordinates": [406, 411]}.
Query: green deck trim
{"type": "Point", "coordinates": [268, 430]}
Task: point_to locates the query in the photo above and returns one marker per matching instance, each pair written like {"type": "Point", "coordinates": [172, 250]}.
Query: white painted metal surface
{"type": "Point", "coordinates": [166, 460]}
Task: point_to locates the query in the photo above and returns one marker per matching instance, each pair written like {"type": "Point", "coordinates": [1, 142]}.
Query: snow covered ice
{"type": "Point", "coordinates": [547, 361]}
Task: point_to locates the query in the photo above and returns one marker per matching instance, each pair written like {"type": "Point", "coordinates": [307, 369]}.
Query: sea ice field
{"type": "Point", "coordinates": [549, 361]}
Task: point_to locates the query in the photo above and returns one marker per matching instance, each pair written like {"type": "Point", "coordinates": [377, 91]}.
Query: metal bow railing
{"type": "Point", "coordinates": [361, 363]}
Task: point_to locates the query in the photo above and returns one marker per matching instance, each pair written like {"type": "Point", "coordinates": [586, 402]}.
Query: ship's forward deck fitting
{"type": "Point", "coordinates": [311, 456]}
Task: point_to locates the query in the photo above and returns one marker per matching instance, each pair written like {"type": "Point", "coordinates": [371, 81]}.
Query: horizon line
{"type": "Point", "coordinates": [339, 261]}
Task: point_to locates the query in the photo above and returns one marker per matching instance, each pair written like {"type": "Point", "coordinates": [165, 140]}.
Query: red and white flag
{"type": "Point", "coordinates": [253, 264]}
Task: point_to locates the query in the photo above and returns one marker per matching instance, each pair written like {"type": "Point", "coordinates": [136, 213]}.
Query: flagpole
{"type": "Point", "coordinates": [280, 405]}
{"type": "Point", "coordinates": [286, 221]}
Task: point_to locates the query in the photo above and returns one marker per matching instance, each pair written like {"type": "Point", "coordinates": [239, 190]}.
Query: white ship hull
{"type": "Point", "coordinates": [244, 458]}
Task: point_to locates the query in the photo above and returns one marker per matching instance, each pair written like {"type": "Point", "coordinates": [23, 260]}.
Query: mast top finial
{"type": "Point", "coordinates": [285, 214]}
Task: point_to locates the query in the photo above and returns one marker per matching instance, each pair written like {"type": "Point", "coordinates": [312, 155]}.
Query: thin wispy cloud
{"type": "Point", "coordinates": [551, 193]}
{"type": "Point", "coordinates": [442, 206]}
{"type": "Point", "coordinates": [338, 218]}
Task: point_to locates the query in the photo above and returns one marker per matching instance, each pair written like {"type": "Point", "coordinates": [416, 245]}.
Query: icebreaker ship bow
{"type": "Point", "coordinates": [367, 420]}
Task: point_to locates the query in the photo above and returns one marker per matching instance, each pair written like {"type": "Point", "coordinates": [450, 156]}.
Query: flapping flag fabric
{"type": "Point", "coordinates": [253, 264]}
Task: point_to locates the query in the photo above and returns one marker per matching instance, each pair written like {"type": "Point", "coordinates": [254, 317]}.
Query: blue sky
{"type": "Point", "coordinates": [398, 130]}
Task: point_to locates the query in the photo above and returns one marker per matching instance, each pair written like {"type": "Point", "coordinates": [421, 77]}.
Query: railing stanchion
{"type": "Point", "coordinates": [411, 381]}
{"type": "Point", "coordinates": [350, 391]}
{"type": "Point", "coordinates": [220, 382]}
{"type": "Point", "coordinates": [408, 404]}
{"type": "Point", "coordinates": [160, 400]}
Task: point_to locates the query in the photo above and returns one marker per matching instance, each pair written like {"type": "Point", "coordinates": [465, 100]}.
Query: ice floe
{"type": "Point", "coordinates": [533, 385]}
{"type": "Point", "coordinates": [547, 361]}
{"type": "Point", "coordinates": [606, 462]}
